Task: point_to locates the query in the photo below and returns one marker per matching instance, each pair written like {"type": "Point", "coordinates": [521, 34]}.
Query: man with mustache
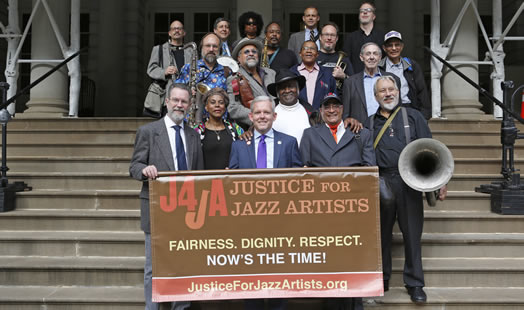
{"type": "Point", "coordinates": [359, 101]}
{"type": "Point", "coordinates": [319, 81]}
{"type": "Point", "coordinates": [247, 52]}
{"type": "Point", "coordinates": [166, 61]}
{"type": "Point", "coordinates": [208, 70]}
{"type": "Point", "coordinates": [167, 144]}
{"type": "Point", "coordinates": [393, 128]}
{"type": "Point", "coordinates": [278, 57]}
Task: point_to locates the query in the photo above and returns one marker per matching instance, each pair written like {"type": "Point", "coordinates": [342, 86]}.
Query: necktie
{"type": "Point", "coordinates": [312, 35]}
{"type": "Point", "coordinates": [262, 153]}
{"type": "Point", "coordinates": [225, 49]}
{"type": "Point", "coordinates": [180, 153]}
{"type": "Point", "coordinates": [334, 129]}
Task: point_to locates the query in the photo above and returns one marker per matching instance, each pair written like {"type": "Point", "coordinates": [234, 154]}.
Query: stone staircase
{"type": "Point", "coordinates": [74, 241]}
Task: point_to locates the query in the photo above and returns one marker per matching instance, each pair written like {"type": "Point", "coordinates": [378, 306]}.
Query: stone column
{"type": "Point", "coordinates": [50, 97]}
{"type": "Point", "coordinates": [459, 98]}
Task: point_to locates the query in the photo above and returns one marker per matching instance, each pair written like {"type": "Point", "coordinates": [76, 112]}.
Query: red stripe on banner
{"type": "Point", "coordinates": [268, 286]}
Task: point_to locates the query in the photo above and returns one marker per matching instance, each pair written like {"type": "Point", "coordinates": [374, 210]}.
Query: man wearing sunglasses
{"type": "Point", "coordinates": [367, 32]}
{"type": "Point", "coordinates": [249, 82]}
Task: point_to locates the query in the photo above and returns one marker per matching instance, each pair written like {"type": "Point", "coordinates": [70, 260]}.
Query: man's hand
{"type": "Point", "coordinates": [150, 172]}
{"type": "Point", "coordinates": [354, 125]}
{"type": "Point", "coordinates": [443, 192]}
{"type": "Point", "coordinates": [338, 73]}
{"type": "Point", "coordinates": [171, 70]}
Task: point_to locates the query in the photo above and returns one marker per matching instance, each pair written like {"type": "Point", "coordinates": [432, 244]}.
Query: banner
{"type": "Point", "coordinates": [264, 233]}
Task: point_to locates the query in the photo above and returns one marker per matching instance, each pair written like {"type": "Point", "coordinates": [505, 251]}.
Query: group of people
{"type": "Point", "coordinates": [310, 106]}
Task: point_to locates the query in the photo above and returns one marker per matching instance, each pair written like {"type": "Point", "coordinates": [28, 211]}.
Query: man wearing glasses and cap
{"type": "Point", "coordinates": [412, 84]}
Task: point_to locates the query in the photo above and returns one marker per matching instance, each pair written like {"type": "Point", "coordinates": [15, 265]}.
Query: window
{"type": "Point", "coordinates": [203, 23]}
{"type": "Point", "coordinates": [346, 23]}
{"type": "Point", "coordinates": [162, 23]}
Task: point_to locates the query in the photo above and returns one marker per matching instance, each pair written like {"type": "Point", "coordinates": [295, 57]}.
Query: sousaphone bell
{"type": "Point", "coordinates": [426, 165]}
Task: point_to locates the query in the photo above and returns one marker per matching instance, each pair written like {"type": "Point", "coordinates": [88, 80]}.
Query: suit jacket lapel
{"type": "Point", "coordinates": [277, 148]}
{"type": "Point", "coordinates": [326, 136]}
{"type": "Point", "coordinates": [346, 138]}
{"type": "Point", "coordinates": [162, 141]}
{"type": "Point", "coordinates": [251, 153]}
{"type": "Point", "coordinates": [361, 91]}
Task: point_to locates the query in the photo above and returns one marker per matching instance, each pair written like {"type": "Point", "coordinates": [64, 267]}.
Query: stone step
{"type": "Point", "coordinates": [79, 199]}
{"type": "Point", "coordinates": [110, 164]}
{"type": "Point", "coordinates": [482, 165]}
{"type": "Point", "coordinates": [75, 149]}
{"type": "Point", "coordinates": [103, 298]}
{"type": "Point", "coordinates": [472, 245]}
{"type": "Point", "coordinates": [72, 243]}
{"type": "Point", "coordinates": [39, 136]}
{"type": "Point", "coordinates": [466, 272]}
{"type": "Point", "coordinates": [449, 136]}
{"type": "Point", "coordinates": [468, 182]}
{"type": "Point", "coordinates": [468, 125]}
{"type": "Point", "coordinates": [462, 201]}
{"type": "Point", "coordinates": [493, 151]}
{"type": "Point", "coordinates": [131, 244]}
{"type": "Point", "coordinates": [128, 271]}
{"type": "Point", "coordinates": [84, 123]}
{"type": "Point", "coordinates": [444, 221]}
{"type": "Point", "coordinates": [71, 220]}
{"type": "Point", "coordinates": [67, 271]}
{"type": "Point", "coordinates": [67, 181]}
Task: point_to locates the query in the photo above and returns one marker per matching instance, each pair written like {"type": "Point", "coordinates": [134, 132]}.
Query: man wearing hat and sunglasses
{"type": "Point", "coordinates": [412, 84]}
{"type": "Point", "coordinates": [293, 113]}
{"type": "Point", "coordinates": [250, 81]}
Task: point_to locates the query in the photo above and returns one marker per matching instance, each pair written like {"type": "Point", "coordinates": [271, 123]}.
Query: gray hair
{"type": "Point", "coordinates": [179, 86]}
{"type": "Point", "coordinates": [368, 44]}
{"type": "Point", "coordinates": [263, 98]}
{"type": "Point", "coordinates": [384, 78]}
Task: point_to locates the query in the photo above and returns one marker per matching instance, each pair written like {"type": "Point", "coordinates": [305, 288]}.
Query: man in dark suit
{"type": "Point", "coordinates": [359, 99]}
{"type": "Point", "coordinates": [319, 80]}
{"type": "Point", "coordinates": [168, 144]}
{"type": "Point", "coordinates": [279, 150]}
{"type": "Point", "coordinates": [330, 144]}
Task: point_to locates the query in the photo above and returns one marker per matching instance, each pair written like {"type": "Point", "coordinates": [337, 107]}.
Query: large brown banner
{"type": "Point", "coordinates": [229, 234]}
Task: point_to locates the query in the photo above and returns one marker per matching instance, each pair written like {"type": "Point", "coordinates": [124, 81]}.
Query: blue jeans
{"type": "Point", "coordinates": [148, 282]}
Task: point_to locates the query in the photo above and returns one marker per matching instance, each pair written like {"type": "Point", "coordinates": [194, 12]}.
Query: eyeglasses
{"type": "Point", "coordinates": [251, 24]}
{"type": "Point", "coordinates": [177, 28]}
{"type": "Point", "coordinates": [367, 10]}
{"type": "Point", "coordinates": [329, 35]}
{"type": "Point", "coordinates": [308, 48]}
{"type": "Point", "coordinates": [247, 52]}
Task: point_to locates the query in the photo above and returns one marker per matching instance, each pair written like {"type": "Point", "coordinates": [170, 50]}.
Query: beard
{"type": "Point", "coordinates": [251, 63]}
{"type": "Point", "coordinates": [176, 117]}
{"type": "Point", "coordinates": [329, 49]}
{"type": "Point", "coordinates": [389, 106]}
{"type": "Point", "coordinates": [210, 58]}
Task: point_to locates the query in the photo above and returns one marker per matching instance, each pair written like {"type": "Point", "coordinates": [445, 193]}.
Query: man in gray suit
{"type": "Point", "coordinates": [168, 59]}
{"type": "Point", "coordinates": [168, 144]}
{"type": "Point", "coordinates": [247, 52]}
{"type": "Point", "coordinates": [359, 99]}
{"type": "Point", "coordinates": [311, 33]}
{"type": "Point", "coordinates": [330, 144]}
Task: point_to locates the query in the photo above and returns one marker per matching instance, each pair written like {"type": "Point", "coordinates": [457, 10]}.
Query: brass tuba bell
{"type": "Point", "coordinates": [202, 88]}
{"type": "Point", "coordinates": [426, 165]}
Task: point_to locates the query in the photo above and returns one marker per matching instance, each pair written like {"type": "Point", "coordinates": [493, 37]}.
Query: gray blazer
{"type": "Point", "coordinates": [236, 110]}
{"type": "Point", "coordinates": [152, 148]}
{"type": "Point", "coordinates": [319, 149]}
{"type": "Point", "coordinates": [354, 98]}
{"type": "Point", "coordinates": [155, 71]}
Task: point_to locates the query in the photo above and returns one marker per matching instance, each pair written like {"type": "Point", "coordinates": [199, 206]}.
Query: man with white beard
{"type": "Point", "coordinates": [393, 127]}
{"type": "Point", "coordinates": [250, 81]}
{"type": "Point", "coordinates": [208, 71]}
